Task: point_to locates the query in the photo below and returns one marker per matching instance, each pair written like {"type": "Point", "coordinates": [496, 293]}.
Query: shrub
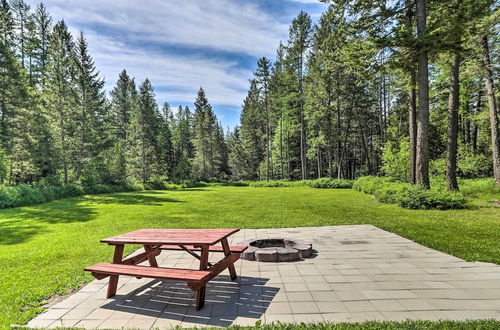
{"type": "Point", "coordinates": [408, 196]}
{"type": "Point", "coordinates": [437, 168]}
{"type": "Point", "coordinates": [331, 183]}
{"type": "Point", "coordinates": [423, 199]}
{"type": "Point", "coordinates": [471, 165]}
{"type": "Point", "coordinates": [368, 184]}
{"type": "Point", "coordinates": [478, 186]}
{"type": "Point", "coordinates": [396, 161]}
{"type": "Point", "coordinates": [390, 192]}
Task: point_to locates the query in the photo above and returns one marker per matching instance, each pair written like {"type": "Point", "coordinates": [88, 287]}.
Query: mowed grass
{"type": "Point", "coordinates": [43, 248]}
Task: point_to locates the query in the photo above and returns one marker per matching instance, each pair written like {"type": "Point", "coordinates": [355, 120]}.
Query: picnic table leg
{"type": "Point", "coordinates": [151, 257]}
{"type": "Point", "coordinates": [113, 279]}
{"type": "Point", "coordinates": [227, 252]}
{"type": "Point", "coordinates": [200, 293]}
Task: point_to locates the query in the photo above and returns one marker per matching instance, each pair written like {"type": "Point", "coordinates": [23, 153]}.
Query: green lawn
{"type": "Point", "coordinates": [43, 248]}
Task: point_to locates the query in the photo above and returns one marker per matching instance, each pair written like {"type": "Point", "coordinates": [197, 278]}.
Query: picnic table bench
{"type": "Point", "coordinates": [157, 240]}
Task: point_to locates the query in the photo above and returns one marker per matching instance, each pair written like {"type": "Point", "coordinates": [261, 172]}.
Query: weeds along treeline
{"type": "Point", "coordinates": [406, 90]}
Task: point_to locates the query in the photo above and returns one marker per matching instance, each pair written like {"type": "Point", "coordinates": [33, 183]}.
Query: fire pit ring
{"type": "Point", "coordinates": [276, 249]}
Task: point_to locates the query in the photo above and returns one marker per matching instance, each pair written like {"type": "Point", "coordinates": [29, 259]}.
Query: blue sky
{"type": "Point", "coordinates": [182, 45]}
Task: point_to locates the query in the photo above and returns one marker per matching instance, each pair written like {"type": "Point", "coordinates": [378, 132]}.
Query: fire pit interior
{"type": "Point", "coordinates": [277, 249]}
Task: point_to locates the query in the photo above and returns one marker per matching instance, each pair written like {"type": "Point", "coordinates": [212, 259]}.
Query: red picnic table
{"type": "Point", "coordinates": [156, 240]}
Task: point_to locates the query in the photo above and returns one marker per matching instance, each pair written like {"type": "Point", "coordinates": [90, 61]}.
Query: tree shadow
{"type": "Point", "coordinates": [132, 199]}
{"type": "Point", "coordinates": [21, 224]}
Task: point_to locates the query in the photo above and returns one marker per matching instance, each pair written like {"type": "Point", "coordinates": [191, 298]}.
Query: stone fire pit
{"type": "Point", "coordinates": [276, 249]}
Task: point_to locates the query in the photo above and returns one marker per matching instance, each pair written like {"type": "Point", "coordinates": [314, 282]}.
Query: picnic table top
{"type": "Point", "coordinates": [172, 236]}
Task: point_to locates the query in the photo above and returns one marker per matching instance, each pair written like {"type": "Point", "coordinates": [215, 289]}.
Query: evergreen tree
{"type": "Point", "coordinates": [252, 132]}
{"type": "Point", "coordinates": [91, 136]}
{"type": "Point", "coordinates": [40, 44]}
{"type": "Point", "coordinates": [123, 106]}
{"type": "Point", "coordinates": [144, 131]}
{"type": "Point", "coordinates": [183, 144]}
{"type": "Point", "coordinates": [298, 44]}
{"type": "Point", "coordinates": [16, 113]}
{"type": "Point", "coordinates": [60, 100]}
{"type": "Point", "coordinates": [6, 24]}
{"type": "Point", "coordinates": [165, 142]}
{"type": "Point", "coordinates": [236, 154]}
{"type": "Point", "coordinates": [262, 79]}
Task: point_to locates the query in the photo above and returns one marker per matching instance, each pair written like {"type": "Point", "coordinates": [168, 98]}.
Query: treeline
{"type": "Point", "coordinates": [403, 88]}
{"type": "Point", "coordinates": [406, 89]}
{"type": "Point", "coordinates": [58, 127]}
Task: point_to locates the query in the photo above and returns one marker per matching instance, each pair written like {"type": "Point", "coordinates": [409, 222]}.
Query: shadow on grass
{"type": "Point", "coordinates": [142, 198]}
{"type": "Point", "coordinates": [20, 224]}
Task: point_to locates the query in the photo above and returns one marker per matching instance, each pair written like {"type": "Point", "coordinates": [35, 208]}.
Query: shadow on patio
{"type": "Point", "coordinates": [225, 301]}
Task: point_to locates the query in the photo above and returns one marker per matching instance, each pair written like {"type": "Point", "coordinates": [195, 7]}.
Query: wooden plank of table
{"type": "Point", "coordinates": [150, 272]}
{"type": "Point", "coordinates": [196, 237]}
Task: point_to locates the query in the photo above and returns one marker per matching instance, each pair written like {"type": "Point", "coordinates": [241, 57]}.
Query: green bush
{"type": "Point", "coordinates": [473, 187]}
{"type": "Point", "coordinates": [368, 184]}
{"type": "Point", "coordinates": [396, 161]}
{"type": "Point", "coordinates": [423, 199]}
{"type": "Point", "coordinates": [390, 192]}
{"type": "Point", "coordinates": [437, 168]}
{"type": "Point", "coordinates": [471, 165]}
{"type": "Point", "coordinates": [408, 196]}
{"type": "Point", "coordinates": [330, 183]}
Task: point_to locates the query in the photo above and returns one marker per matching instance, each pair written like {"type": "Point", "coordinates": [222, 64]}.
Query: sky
{"type": "Point", "coordinates": [184, 45]}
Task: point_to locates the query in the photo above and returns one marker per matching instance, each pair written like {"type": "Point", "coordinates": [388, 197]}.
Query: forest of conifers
{"type": "Point", "coordinates": [407, 89]}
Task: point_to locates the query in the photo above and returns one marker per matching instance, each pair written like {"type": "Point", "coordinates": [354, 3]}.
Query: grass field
{"type": "Point", "coordinates": [43, 248]}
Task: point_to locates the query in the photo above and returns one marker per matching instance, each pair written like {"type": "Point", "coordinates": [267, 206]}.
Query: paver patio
{"type": "Point", "coordinates": [359, 273]}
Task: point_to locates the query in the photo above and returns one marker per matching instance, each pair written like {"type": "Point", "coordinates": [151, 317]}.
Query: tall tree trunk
{"type": "Point", "coordinates": [475, 127]}
{"type": "Point", "coordinates": [412, 116]}
{"type": "Point", "coordinates": [451, 152]}
{"type": "Point", "coordinates": [330, 146]}
{"type": "Point", "coordinates": [339, 141]}
{"type": "Point", "coordinates": [281, 147]}
{"type": "Point", "coordinates": [490, 88]}
{"type": "Point", "coordinates": [422, 172]}
{"type": "Point", "coordinates": [303, 154]}
{"type": "Point", "coordinates": [320, 168]}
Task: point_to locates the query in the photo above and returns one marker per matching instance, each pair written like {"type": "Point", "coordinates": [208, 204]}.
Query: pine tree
{"type": "Point", "coordinates": [144, 131]}
{"type": "Point", "coordinates": [183, 144]}
{"type": "Point", "coordinates": [91, 136]}
{"type": "Point", "coordinates": [60, 99]}
{"type": "Point", "coordinates": [16, 136]}
{"type": "Point", "coordinates": [298, 44]}
{"type": "Point", "coordinates": [123, 106]}
{"type": "Point", "coordinates": [262, 79]}
{"type": "Point", "coordinates": [167, 155]}
{"type": "Point", "coordinates": [236, 155]}
{"type": "Point", "coordinates": [22, 16]}
{"type": "Point", "coordinates": [41, 42]}
{"type": "Point", "coordinates": [252, 131]}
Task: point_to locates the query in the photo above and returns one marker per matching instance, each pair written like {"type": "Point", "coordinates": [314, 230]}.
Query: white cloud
{"type": "Point", "coordinates": [234, 26]}
{"type": "Point", "coordinates": [181, 76]}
